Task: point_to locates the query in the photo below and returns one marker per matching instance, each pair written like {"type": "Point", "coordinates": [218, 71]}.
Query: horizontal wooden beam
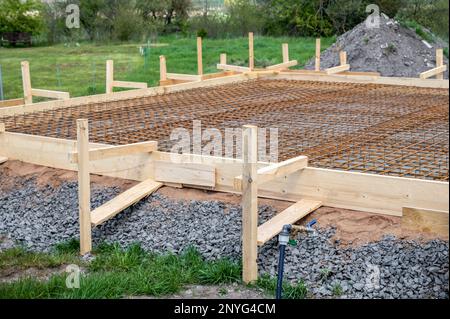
{"type": "Point", "coordinates": [183, 77]}
{"type": "Point", "coordinates": [433, 72]}
{"type": "Point", "coordinates": [185, 173]}
{"type": "Point", "coordinates": [341, 189]}
{"type": "Point", "coordinates": [123, 201]}
{"type": "Point", "coordinates": [50, 94]}
{"type": "Point", "coordinates": [130, 85]}
{"type": "Point", "coordinates": [235, 68]}
{"type": "Point", "coordinates": [296, 212]}
{"type": "Point", "coordinates": [282, 66]}
{"type": "Point", "coordinates": [278, 170]}
{"type": "Point", "coordinates": [428, 221]}
{"type": "Point", "coordinates": [14, 102]}
{"type": "Point", "coordinates": [338, 69]}
{"type": "Point", "coordinates": [363, 79]}
{"type": "Point", "coordinates": [115, 151]}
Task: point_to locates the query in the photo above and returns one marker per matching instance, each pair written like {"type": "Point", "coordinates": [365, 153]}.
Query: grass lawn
{"type": "Point", "coordinates": [80, 69]}
{"type": "Point", "coordinates": [118, 273]}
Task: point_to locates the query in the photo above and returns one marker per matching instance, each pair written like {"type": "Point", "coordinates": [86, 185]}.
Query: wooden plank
{"type": "Point", "coordinates": [318, 49]}
{"type": "Point", "coordinates": [84, 186]}
{"type": "Point", "coordinates": [123, 201]}
{"type": "Point", "coordinates": [130, 85]}
{"type": "Point", "coordinates": [278, 170]}
{"type": "Point", "coordinates": [109, 76]}
{"type": "Point", "coordinates": [363, 79]}
{"type": "Point", "coordinates": [251, 51]}
{"type": "Point", "coordinates": [426, 221]}
{"type": "Point", "coordinates": [349, 190]}
{"type": "Point", "coordinates": [282, 66]}
{"type": "Point", "coordinates": [338, 69]}
{"type": "Point", "coordinates": [116, 151]}
{"type": "Point", "coordinates": [439, 62]}
{"type": "Point", "coordinates": [13, 102]}
{"type": "Point", "coordinates": [199, 56]}
{"type": "Point", "coordinates": [184, 77]}
{"type": "Point", "coordinates": [26, 82]}
{"type": "Point", "coordinates": [2, 128]}
{"type": "Point", "coordinates": [3, 159]}
{"type": "Point", "coordinates": [296, 212]}
{"type": "Point", "coordinates": [343, 57]}
{"type": "Point", "coordinates": [249, 204]}
{"type": "Point", "coordinates": [433, 72]}
{"type": "Point", "coordinates": [285, 49]}
{"type": "Point", "coordinates": [223, 59]}
{"type": "Point", "coordinates": [50, 94]}
{"type": "Point", "coordinates": [235, 68]}
{"type": "Point", "coordinates": [194, 174]}
{"type": "Point", "coordinates": [162, 68]}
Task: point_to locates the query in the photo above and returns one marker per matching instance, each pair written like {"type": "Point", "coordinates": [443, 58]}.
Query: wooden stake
{"type": "Point", "coordinates": [318, 54]}
{"type": "Point", "coordinates": [343, 57]}
{"type": "Point", "coordinates": [285, 52]}
{"type": "Point", "coordinates": [84, 186]}
{"type": "Point", "coordinates": [249, 204]}
{"type": "Point", "coordinates": [223, 58]}
{"type": "Point", "coordinates": [109, 76]}
{"type": "Point", "coordinates": [439, 62]}
{"type": "Point", "coordinates": [199, 56]}
{"type": "Point", "coordinates": [26, 82]}
{"type": "Point", "coordinates": [251, 52]}
{"type": "Point", "coordinates": [162, 68]}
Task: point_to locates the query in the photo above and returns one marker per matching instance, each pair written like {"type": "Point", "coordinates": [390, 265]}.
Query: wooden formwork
{"type": "Point", "coordinates": [293, 180]}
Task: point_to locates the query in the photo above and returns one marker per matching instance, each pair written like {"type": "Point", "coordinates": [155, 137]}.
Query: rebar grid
{"type": "Point", "coordinates": [388, 130]}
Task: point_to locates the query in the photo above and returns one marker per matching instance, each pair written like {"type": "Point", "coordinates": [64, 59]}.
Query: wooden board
{"type": "Point", "coordinates": [433, 72]}
{"type": "Point", "coordinates": [115, 151]}
{"type": "Point", "coordinates": [235, 68]}
{"type": "Point", "coordinates": [123, 201]}
{"type": "Point", "coordinates": [348, 190]}
{"type": "Point", "coordinates": [185, 173]}
{"type": "Point", "coordinates": [130, 85]}
{"type": "Point", "coordinates": [338, 69]}
{"type": "Point", "coordinates": [282, 66]}
{"type": "Point", "coordinates": [14, 102]}
{"type": "Point", "coordinates": [183, 77]}
{"type": "Point", "coordinates": [426, 221]}
{"type": "Point", "coordinates": [50, 94]}
{"type": "Point", "coordinates": [273, 171]}
{"type": "Point", "coordinates": [3, 159]}
{"type": "Point", "coordinates": [289, 216]}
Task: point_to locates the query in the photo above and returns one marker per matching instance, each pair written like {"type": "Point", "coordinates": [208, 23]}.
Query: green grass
{"type": "Point", "coordinates": [117, 273]}
{"type": "Point", "coordinates": [419, 30]}
{"type": "Point", "coordinates": [80, 70]}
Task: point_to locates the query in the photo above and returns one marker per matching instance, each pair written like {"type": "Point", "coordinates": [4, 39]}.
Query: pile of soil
{"type": "Point", "coordinates": [391, 50]}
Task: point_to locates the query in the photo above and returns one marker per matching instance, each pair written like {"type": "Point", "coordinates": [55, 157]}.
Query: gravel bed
{"type": "Point", "coordinates": [40, 218]}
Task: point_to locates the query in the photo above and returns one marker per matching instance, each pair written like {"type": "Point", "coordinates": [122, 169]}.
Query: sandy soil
{"type": "Point", "coordinates": [352, 227]}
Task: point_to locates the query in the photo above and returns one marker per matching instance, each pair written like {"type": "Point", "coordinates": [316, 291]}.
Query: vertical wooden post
{"type": "Point", "coordinates": [318, 54]}
{"type": "Point", "coordinates": [251, 52]}
{"type": "Point", "coordinates": [84, 186]}
{"type": "Point", "coordinates": [343, 57]}
{"type": "Point", "coordinates": [199, 56]}
{"type": "Point", "coordinates": [26, 82]}
{"type": "Point", "coordinates": [223, 58]}
{"type": "Point", "coordinates": [285, 52]}
{"type": "Point", "coordinates": [109, 76]}
{"type": "Point", "coordinates": [162, 68]}
{"type": "Point", "coordinates": [249, 204]}
{"type": "Point", "coordinates": [439, 62]}
{"type": "Point", "coordinates": [2, 128]}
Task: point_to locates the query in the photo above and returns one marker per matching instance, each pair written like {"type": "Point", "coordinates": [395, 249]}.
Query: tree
{"type": "Point", "coordinates": [21, 16]}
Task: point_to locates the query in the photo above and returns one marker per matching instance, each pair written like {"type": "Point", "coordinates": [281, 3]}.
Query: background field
{"type": "Point", "coordinates": [80, 69]}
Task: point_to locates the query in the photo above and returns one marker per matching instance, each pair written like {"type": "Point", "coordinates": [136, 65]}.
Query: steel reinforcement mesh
{"type": "Point", "coordinates": [388, 130]}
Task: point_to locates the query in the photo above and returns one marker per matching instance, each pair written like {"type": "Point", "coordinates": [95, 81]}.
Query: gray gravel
{"type": "Point", "coordinates": [40, 218]}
